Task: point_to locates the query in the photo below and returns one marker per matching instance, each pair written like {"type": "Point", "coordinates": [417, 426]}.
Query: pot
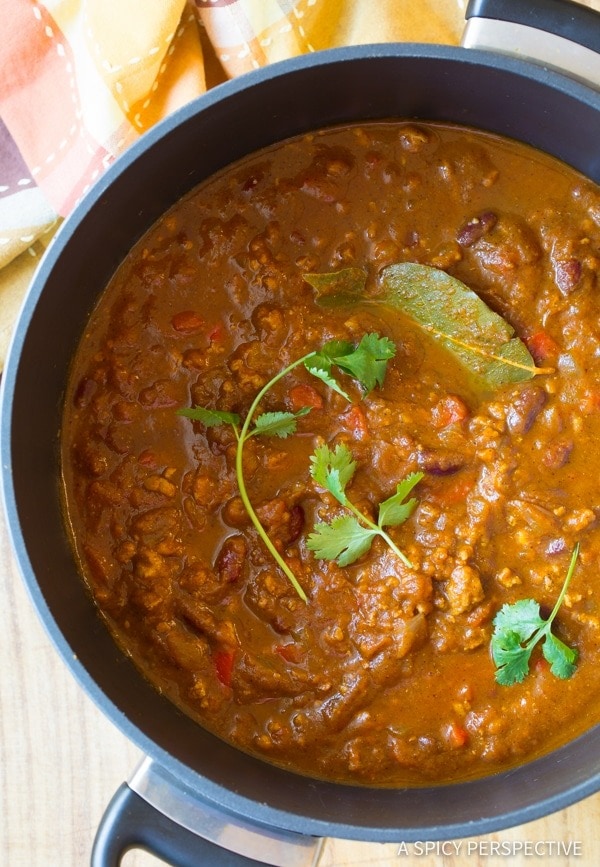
{"type": "Point", "coordinates": [194, 793]}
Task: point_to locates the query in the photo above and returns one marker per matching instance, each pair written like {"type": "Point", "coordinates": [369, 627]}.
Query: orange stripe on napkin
{"type": "Point", "coordinates": [39, 102]}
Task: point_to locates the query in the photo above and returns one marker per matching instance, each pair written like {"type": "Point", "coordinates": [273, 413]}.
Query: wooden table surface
{"type": "Point", "coordinates": [62, 760]}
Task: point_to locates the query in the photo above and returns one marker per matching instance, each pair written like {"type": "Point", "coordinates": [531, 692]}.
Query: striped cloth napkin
{"type": "Point", "coordinates": [80, 80]}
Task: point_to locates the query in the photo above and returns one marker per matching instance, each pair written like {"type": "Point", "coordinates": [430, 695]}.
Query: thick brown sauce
{"type": "Point", "coordinates": [385, 676]}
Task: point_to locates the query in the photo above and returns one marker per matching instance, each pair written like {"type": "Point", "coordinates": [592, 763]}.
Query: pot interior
{"type": "Point", "coordinates": [465, 87]}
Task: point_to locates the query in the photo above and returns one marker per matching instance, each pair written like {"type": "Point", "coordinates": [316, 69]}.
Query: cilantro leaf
{"type": "Point", "coordinates": [320, 367]}
{"type": "Point", "coordinates": [512, 659]}
{"type": "Point", "coordinates": [343, 540]}
{"type": "Point", "coordinates": [366, 362]}
{"type": "Point", "coordinates": [280, 424]}
{"type": "Point", "coordinates": [320, 364]}
{"type": "Point", "coordinates": [521, 618]}
{"type": "Point", "coordinates": [394, 510]}
{"type": "Point", "coordinates": [333, 470]}
{"type": "Point", "coordinates": [209, 417]}
{"type": "Point", "coordinates": [336, 485]}
{"type": "Point", "coordinates": [333, 349]}
{"type": "Point", "coordinates": [562, 658]}
{"type": "Point", "coordinates": [519, 627]}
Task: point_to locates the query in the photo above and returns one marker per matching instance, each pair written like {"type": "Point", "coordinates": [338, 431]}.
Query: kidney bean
{"type": "Point", "coordinates": [295, 523]}
{"type": "Point", "coordinates": [557, 454]}
{"type": "Point", "coordinates": [231, 558]}
{"type": "Point", "coordinates": [438, 462]}
{"type": "Point", "coordinates": [525, 409]}
{"type": "Point", "coordinates": [567, 273]}
{"type": "Point", "coordinates": [476, 228]}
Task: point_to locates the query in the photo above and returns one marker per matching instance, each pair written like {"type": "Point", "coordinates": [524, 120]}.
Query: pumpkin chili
{"type": "Point", "coordinates": [380, 670]}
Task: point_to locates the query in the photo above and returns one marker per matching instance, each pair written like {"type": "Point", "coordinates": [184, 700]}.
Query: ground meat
{"type": "Point", "coordinates": [463, 589]}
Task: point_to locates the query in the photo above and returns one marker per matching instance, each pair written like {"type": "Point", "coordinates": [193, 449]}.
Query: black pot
{"type": "Point", "coordinates": [193, 779]}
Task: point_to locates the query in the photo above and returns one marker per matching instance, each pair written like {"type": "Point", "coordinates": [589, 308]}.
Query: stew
{"type": "Point", "coordinates": [383, 673]}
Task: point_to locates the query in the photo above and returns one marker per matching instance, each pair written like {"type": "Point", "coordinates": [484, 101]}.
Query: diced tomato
{"type": "Point", "coordinates": [356, 422]}
{"type": "Point", "coordinates": [217, 333]}
{"type": "Point", "coordinates": [542, 346]}
{"type": "Point", "coordinates": [454, 489]}
{"type": "Point", "coordinates": [290, 652]}
{"type": "Point", "coordinates": [223, 660]}
{"type": "Point", "coordinates": [304, 395]}
{"type": "Point", "coordinates": [456, 735]}
{"type": "Point", "coordinates": [590, 402]}
{"type": "Point", "coordinates": [187, 322]}
{"type": "Point", "coordinates": [449, 410]}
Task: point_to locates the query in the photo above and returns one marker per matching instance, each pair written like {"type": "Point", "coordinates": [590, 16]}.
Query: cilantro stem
{"type": "Point", "coordinates": [546, 628]}
{"type": "Point", "coordinates": [565, 586]}
{"type": "Point", "coordinates": [380, 532]}
{"type": "Point", "coordinates": [395, 548]}
{"type": "Point", "coordinates": [244, 435]}
{"type": "Point", "coordinates": [365, 363]}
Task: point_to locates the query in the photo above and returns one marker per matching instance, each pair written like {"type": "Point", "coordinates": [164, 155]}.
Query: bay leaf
{"type": "Point", "coordinates": [480, 339]}
{"type": "Point", "coordinates": [337, 288]}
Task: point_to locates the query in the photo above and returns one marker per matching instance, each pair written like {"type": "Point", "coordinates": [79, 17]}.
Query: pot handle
{"type": "Point", "coordinates": [130, 822]}
{"type": "Point", "coordinates": [158, 812]}
{"type": "Point", "coordinates": [558, 34]}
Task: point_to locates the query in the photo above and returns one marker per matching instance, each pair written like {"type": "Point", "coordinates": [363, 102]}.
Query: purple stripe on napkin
{"type": "Point", "coordinates": [14, 174]}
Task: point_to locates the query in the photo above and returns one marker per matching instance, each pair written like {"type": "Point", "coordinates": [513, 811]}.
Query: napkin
{"type": "Point", "coordinates": [81, 80]}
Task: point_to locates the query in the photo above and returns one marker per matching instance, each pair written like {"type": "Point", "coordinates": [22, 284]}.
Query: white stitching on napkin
{"type": "Point", "coordinates": [134, 61]}
{"type": "Point", "coordinates": [22, 182]}
{"type": "Point", "coordinates": [301, 31]}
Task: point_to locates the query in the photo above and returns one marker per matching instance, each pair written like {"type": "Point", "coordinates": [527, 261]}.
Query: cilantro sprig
{"type": "Point", "coordinates": [517, 630]}
{"type": "Point", "coordinates": [365, 363]}
{"type": "Point", "coordinates": [348, 537]}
